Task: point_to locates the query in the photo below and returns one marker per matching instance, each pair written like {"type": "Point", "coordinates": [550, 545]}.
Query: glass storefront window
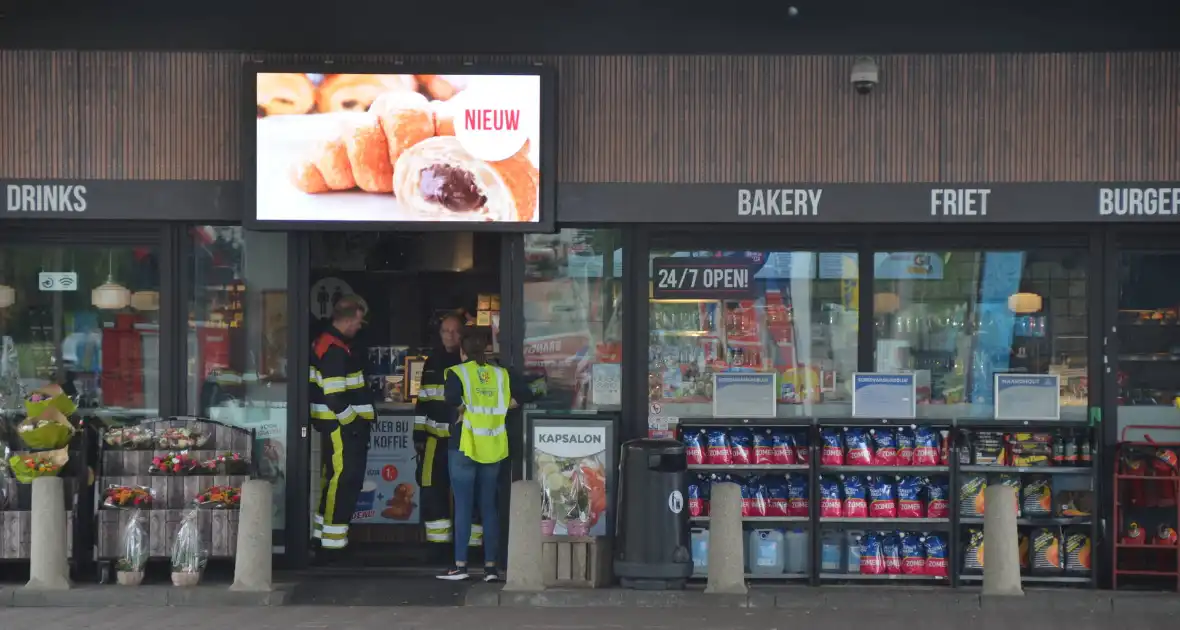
{"type": "Point", "coordinates": [237, 340]}
{"type": "Point", "coordinates": [798, 322]}
{"type": "Point", "coordinates": [1148, 329]}
{"type": "Point", "coordinates": [573, 313]}
{"type": "Point", "coordinates": [956, 318]}
{"type": "Point", "coordinates": [84, 317]}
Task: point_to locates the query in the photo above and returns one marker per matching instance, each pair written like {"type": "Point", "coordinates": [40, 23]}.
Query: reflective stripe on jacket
{"type": "Point", "coordinates": [486, 396]}
{"type": "Point", "coordinates": [338, 390]}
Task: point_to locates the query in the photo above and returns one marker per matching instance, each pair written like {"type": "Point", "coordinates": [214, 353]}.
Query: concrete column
{"type": "Point", "coordinates": [252, 564]}
{"type": "Point", "coordinates": [1001, 547]}
{"type": "Point", "coordinates": [49, 568]}
{"type": "Point", "coordinates": [726, 553]}
{"type": "Point", "coordinates": [524, 538]}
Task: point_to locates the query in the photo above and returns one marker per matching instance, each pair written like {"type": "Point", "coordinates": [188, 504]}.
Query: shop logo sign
{"type": "Point", "coordinates": [787, 202]}
{"type": "Point", "coordinates": [45, 198]}
{"type": "Point", "coordinates": [569, 438]}
{"type": "Point", "coordinates": [1138, 201]}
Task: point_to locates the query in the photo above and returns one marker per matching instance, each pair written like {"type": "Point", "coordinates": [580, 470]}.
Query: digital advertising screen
{"type": "Point", "coordinates": [420, 150]}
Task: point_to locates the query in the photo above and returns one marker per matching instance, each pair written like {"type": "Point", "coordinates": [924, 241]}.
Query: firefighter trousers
{"type": "Point", "coordinates": [345, 451]}
{"type": "Point", "coordinates": [437, 504]}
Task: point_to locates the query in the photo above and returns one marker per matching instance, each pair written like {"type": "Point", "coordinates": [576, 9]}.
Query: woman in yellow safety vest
{"type": "Point", "coordinates": [480, 394]}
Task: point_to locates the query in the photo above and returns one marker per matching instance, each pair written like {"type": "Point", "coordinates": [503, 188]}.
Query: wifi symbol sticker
{"type": "Point", "coordinates": [57, 280]}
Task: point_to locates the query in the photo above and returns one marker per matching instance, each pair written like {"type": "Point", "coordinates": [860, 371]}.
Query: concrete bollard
{"type": "Point", "coordinates": [252, 564]}
{"type": "Point", "coordinates": [1001, 546]}
{"type": "Point", "coordinates": [524, 538]}
{"type": "Point", "coordinates": [49, 568]}
{"type": "Point", "coordinates": [726, 548]}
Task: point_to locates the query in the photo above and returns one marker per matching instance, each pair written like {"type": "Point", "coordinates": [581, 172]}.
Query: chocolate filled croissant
{"type": "Point", "coordinates": [438, 177]}
{"type": "Point", "coordinates": [284, 93]}
{"type": "Point", "coordinates": [356, 157]}
{"type": "Point", "coordinates": [442, 87]}
{"type": "Point", "coordinates": [406, 118]}
{"type": "Point", "coordinates": [356, 92]}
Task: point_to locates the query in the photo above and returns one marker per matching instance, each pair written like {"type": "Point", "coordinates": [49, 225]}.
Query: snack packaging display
{"type": "Point", "coordinates": [971, 488]}
{"type": "Point", "coordinates": [830, 505]}
{"type": "Point", "coordinates": [1046, 551]}
{"type": "Point", "coordinates": [936, 558]}
{"type": "Point", "coordinates": [802, 454]}
{"type": "Point", "coordinates": [753, 497]}
{"type": "Point", "coordinates": [1165, 535]}
{"type": "Point", "coordinates": [1134, 534]}
{"type": "Point", "coordinates": [129, 438]}
{"type": "Point", "coordinates": [832, 451]}
{"type": "Point", "coordinates": [1022, 549]}
{"type": "Point", "coordinates": [782, 448]}
{"type": "Point", "coordinates": [858, 450]}
{"type": "Point", "coordinates": [694, 446]}
{"type": "Point", "coordinates": [938, 495]}
{"type": "Point", "coordinates": [973, 551]}
{"type": "Point", "coordinates": [127, 497]}
{"type": "Point", "coordinates": [882, 501]}
{"type": "Point", "coordinates": [763, 447]}
{"type": "Point", "coordinates": [891, 550]}
{"type": "Point", "coordinates": [1010, 481]}
{"type": "Point", "coordinates": [189, 554]}
{"type": "Point", "coordinates": [777, 496]}
{"type": "Point", "coordinates": [740, 443]}
{"type": "Point", "coordinates": [1078, 553]}
{"type": "Point", "coordinates": [26, 467]}
{"type": "Point", "coordinates": [219, 498]}
{"type": "Point", "coordinates": [133, 547]}
{"type": "Point", "coordinates": [905, 446]}
{"type": "Point", "coordinates": [1074, 503]}
{"type": "Point", "coordinates": [872, 556]}
{"type": "Point", "coordinates": [717, 451]}
{"type": "Point", "coordinates": [49, 430]}
{"type": "Point", "coordinates": [987, 448]}
{"type": "Point", "coordinates": [913, 555]}
{"type": "Point", "coordinates": [698, 496]}
{"type": "Point", "coordinates": [909, 497]}
{"type": "Point", "coordinates": [1037, 496]}
{"type": "Point", "coordinates": [856, 503]}
{"type": "Point", "coordinates": [797, 496]}
{"type": "Point", "coordinates": [927, 444]}
{"type": "Point", "coordinates": [885, 447]}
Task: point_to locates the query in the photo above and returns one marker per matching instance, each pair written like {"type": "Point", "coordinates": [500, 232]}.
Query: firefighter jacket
{"type": "Point", "coordinates": [339, 392]}
{"type": "Point", "coordinates": [434, 416]}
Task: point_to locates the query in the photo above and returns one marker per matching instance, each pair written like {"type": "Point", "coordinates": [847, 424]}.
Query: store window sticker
{"type": "Point", "coordinates": [676, 502]}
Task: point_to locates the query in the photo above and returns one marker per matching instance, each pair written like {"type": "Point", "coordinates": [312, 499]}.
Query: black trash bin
{"type": "Point", "coordinates": [653, 536]}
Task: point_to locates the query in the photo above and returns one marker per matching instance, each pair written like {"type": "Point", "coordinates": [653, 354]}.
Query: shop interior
{"type": "Point", "coordinates": [410, 282]}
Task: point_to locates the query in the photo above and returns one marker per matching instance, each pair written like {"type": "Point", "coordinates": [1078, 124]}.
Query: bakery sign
{"type": "Point", "coordinates": [354, 149]}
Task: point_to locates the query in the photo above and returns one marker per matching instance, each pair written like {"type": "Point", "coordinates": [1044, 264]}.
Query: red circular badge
{"type": "Point", "coordinates": [389, 472]}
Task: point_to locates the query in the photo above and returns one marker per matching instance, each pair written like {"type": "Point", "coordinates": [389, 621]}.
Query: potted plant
{"type": "Point", "coordinates": [547, 522]}
{"type": "Point", "coordinates": [188, 552]}
{"type": "Point", "coordinates": [129, 568]}
{"type": "Point", "coordinates": [578, 517]}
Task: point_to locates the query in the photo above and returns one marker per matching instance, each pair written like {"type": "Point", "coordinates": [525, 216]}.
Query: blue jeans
{"type": "Point", "coordinates": [470, 479]}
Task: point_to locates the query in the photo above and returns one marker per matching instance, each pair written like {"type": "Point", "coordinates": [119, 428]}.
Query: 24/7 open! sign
{"type": "Point", "coordinates": [701, 278]}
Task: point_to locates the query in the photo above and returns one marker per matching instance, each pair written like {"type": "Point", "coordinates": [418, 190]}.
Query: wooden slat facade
{"type": "Point", "coordinates": [661, 119]}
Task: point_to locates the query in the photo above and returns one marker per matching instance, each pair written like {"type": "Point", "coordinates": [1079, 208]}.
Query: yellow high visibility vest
{"type": "Point", "coordinates": [486, 395]}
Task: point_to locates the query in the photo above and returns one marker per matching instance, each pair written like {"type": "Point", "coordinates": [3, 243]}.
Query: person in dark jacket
{"type": "Point", "coordinates": [432, 430]}
{"type": "Point", "coordinates": [342, 410]}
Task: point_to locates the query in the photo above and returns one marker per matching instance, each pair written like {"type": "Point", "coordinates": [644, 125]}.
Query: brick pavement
{"type": "Point", "coordinates": [408, 618]}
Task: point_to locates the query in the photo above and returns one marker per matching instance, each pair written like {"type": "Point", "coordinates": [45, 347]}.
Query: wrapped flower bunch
{"type": "Point", "coordinates": [181, 438]}
{"type": "Point", "coordinates": [219, 497]}
{"type": "Point", "coordinates": [188, 552]}
{"type": "Point", "coordinates": [233, 463]}
{"type": "Point", "coordinates": [175, 464]}
{"type": "Point", "coordinates": [50, 397]}
{"type": "Point", "coordinates": [129, 438]}
{"type": "Point", "coordinates": [126, 497]}
{"type": "Point", "coordinates": [48, 430]}
{"type": "Point", "coordinates": [28, 466]}
{"type": "Point", "coordinates": [134, 554]}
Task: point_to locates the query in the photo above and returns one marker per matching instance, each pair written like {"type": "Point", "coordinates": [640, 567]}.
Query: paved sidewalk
{"type": "Point", "coordinates": [373, 618]}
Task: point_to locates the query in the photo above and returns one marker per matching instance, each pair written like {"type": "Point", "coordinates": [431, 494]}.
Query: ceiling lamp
{"type": "Point", "coordinates": [886, 303]}
{"type": "Point", "coordinates": [110, 296]}
{"type": "Point", "coordinates": [1024, 303]}
{"type": "Point", "coordinates": [7, 296]}
{"type": "Point", "coordinates": [145, 300]}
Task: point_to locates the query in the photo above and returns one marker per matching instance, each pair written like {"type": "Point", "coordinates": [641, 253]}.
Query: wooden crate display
{"type": "Point", "coordinates": [569, 561]}
{"type": "Point", "coordinates": [172, 494]}
{"type": "Point", "coordinates": [16, 519]}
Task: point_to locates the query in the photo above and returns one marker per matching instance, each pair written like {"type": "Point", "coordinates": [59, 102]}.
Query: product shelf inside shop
{"type": "Point", "coordinates": [881, 577]}
{"type": "Point", "coordinates": [1033, 579]}
{"type": "Point", "coordinates": [1146, 478]}
{"type": "Point", "coordinates": [1048, 521]}
{"type": "Point", "coordinates": [1028, 470]}
{"type": "Point", "coordinates": [759, 519]}
{"type": "Point", "coordinates": [899, 521]}
{"type": "Point", "coordinates": [776, 576]}
{"type": "Point", "coordinates": [885, 470]}
{"type": "Point", "coordinates": [746, 467]}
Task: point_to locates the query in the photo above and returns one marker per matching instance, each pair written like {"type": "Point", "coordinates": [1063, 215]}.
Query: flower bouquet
{"type": "Point", "coordinates": [48, 430]}
{"type": "Point", "coordinates": [129, 438]}
{"type": "Point", "coordinates": [578, 501]}
{"type": "Point", "coordinates": [175, 464]}
{"type": "Point", "coordinates": [181, 438]}
{"type": "Point", "coordinates": [547, 522]}
{"type": "Point", "coordinates": [129, 568]}
{"type": "Point", "coordinates": [126, 497]}
{"type": "Point", "coordinates": [219, 498]}
{"type": "Point", "coordinates": [28, 466]}
{"type": "Point", "coordinates": [233, 464]}
{"type": "Point", "coordinates": [49, 397]}
{"type": "Point", "coordinates": [188, 552]}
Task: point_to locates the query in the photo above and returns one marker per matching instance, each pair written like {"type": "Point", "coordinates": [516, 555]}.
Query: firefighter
{"type": "Point", "coordinates": [479, 395]}
{"type": "Point", "coordinates": [342, 411]}
{"type": "Point", "coordinates": [432, 430]}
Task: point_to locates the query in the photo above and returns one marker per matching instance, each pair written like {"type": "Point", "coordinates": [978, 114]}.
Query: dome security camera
{"type": "Point", "coordinates": [865, 75]}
